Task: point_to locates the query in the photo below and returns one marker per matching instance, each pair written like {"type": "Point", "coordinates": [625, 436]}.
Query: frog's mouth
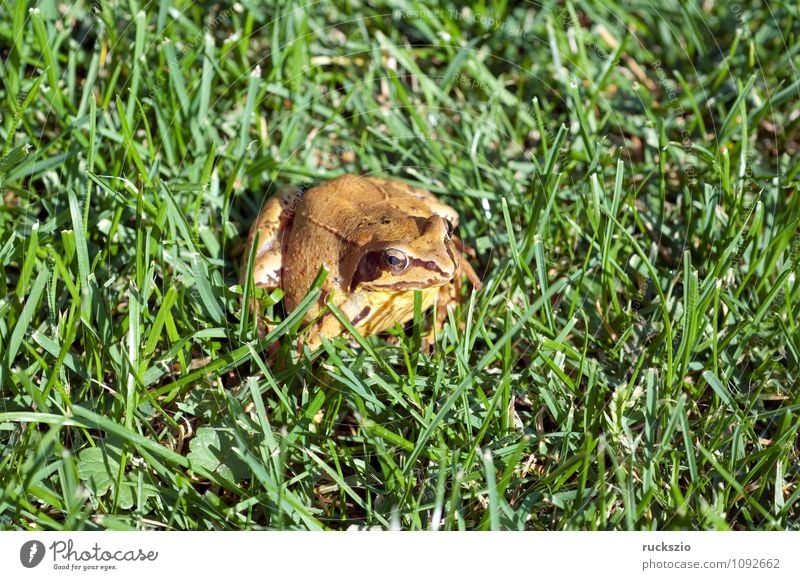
{"type": "Point", "coordinates": [419, 274]}
{"type": "Point", "coordinates": [405, 286]}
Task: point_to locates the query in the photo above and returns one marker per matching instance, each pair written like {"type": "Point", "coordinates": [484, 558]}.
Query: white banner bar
{"type": "Point", "coordinates": [408, 555]}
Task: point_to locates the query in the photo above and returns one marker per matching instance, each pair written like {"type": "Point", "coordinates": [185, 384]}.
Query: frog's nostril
{"type": "Point", "coordinates": [450, 227]}
{"type": "Point", "coordinates": [437, 225]}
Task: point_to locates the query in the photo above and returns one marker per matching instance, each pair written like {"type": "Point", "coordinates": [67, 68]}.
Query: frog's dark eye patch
{"type": "Point", "coordinates": [450, 227]}
{"type": "Point", "coordinates": [369, 268]}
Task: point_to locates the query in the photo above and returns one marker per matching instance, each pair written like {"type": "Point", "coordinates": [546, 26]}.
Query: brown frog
{"type": "Point", "coordinates": [379, 239]}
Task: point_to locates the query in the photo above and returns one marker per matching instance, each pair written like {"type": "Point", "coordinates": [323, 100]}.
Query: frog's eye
{"type": "Point", "coordinates": [450, 227]}
{"type": "Point", "coordinates": [396, 260]}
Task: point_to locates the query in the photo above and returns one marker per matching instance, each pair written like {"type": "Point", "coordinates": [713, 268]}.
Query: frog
{"type": "Point", "coordinates": [380, 240]}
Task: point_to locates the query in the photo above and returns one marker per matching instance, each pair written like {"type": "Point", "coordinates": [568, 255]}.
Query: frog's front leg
{"type": "Point", "coordinates": [447, 298]}
{"type": "Point", "coordinates": [465, 252]}
{"type": "Point", "coordinates": [354, 307]}
{"type": "Point", "coordinates": [449, 295]}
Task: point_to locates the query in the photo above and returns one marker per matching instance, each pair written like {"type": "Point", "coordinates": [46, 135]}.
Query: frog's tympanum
{"type": "Point", "coordinates": [379, 239]}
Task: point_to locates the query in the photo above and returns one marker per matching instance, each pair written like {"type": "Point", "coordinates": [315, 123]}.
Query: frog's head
{"type": "Point", "coordinates": [411, 253]}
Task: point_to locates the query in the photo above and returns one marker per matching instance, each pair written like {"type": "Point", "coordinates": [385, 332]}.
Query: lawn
{"type": "Point", "coordinates": [627, 174]}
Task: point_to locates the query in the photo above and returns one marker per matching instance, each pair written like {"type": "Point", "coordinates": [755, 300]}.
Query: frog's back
{"type": "Point", "coordinates": [349, 193]}
{"type": "Point", "coordinates": [356, 208]}
{"type": "Point", "coordinates": [335, 204]}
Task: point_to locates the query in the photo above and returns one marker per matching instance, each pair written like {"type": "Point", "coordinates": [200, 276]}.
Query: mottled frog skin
{"type": "Point", "coordinates": [379, 239]}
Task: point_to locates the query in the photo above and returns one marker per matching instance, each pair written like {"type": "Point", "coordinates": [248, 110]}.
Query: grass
{"type": "Point", "coordinates": [628, 175]}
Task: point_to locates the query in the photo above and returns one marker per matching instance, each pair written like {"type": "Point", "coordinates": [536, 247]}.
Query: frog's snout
{"type": "Point", "coordinates": [436, 226]}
